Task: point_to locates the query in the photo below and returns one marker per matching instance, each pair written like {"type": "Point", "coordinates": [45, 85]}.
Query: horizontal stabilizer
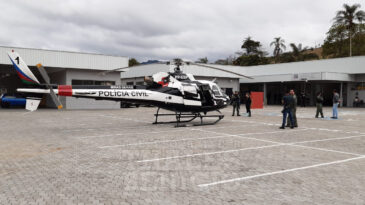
{"type": "Point", "coordinates": [32, 104]}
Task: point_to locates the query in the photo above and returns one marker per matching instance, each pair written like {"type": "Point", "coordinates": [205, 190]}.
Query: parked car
{"type": "Point", "coordinates": [7, 101]}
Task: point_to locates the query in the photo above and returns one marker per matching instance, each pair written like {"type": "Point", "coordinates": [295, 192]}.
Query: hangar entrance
{"type": "Point", "coordinates": [228, 91]}
{"type": "Point", "coordinates": [9, 80]}
{"type": "Point", "coordinates": [305, 91]}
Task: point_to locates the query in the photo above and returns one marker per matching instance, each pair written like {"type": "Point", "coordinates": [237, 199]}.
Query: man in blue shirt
{"type": "Point", "coordinates": [288, 103]}
{"type": "Point", "coordinates": [336, 102]}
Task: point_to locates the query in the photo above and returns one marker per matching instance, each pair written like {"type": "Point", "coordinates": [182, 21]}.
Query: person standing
{"type": "Point", "coordinates": [293, 108]}
{"type": "Point", "coordinates": [236, 103]}
{"type": "Point", "coordinates": [356, 101]}
{"type": "Point", "coordinates": [336, 102]}
{"type": "Point", "coordinates": [303, 99]}
{"type": "Point", "coordinates": [248, 104]}
{"type": "Point", "coordinates": [319, 105]}
{"type": "Point", "coordinates": [287, 103]}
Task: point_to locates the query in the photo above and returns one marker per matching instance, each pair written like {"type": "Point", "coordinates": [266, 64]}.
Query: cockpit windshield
{"type": "Point", "coordinates": [216, 90]}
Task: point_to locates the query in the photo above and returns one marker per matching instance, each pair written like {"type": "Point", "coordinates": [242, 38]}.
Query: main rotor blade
{"type": "Point", "coordinates": [215, 68]}
{"type": "Point", "coordinates": [45, 77]}
{"type": "Point", "coordinates": [113, 70]}
{"type": "Point", "coordinates": [110, 71]}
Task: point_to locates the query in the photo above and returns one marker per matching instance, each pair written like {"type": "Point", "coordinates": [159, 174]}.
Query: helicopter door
{"type": "Point", "coordinates": [191, 96]}
{"type": "Point", "coordinates": [206, 93]}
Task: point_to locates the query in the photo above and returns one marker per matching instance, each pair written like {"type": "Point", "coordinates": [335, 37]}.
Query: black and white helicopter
{"type": "Point", "coordinates": [175, 91]}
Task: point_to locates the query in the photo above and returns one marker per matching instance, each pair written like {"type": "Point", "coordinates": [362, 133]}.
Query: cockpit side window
{"type": "Point", "coordinates": [216, 91]}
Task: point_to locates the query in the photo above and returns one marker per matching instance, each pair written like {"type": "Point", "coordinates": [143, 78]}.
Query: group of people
{"type": "Point", "coordinates": [289, 111]}
{"type": "Point", "coordinates": [290, 108]}
{"type": "Point", "coordinates": [236, 102]}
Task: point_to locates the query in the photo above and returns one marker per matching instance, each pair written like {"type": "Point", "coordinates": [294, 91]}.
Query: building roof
{"type": "Point", "coordinates": [338, 69]}
{"type": "Point", "coordinates": [65, 59]}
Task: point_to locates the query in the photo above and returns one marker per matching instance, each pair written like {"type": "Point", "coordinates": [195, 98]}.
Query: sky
{"type": "Point", "coordinates": [164, 29]}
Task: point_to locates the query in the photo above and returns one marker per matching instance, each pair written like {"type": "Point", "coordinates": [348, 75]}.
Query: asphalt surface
{"type": "Point", "coordinates": [119, 157]}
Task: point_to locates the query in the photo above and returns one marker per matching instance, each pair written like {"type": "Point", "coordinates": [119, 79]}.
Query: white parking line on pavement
{"type": "Point", "coordinates": [281, 171]}
{"type": "Point", "coordinates": [323, 149]}
{"type": "Point", "coordinates": [253, 148]}
{"type": "Point", "coordinates": [161, 141]}
{"type": "Point", "coordinates": [192, 139]}
{"type": "Point", "coordinates": [329, 139]}
{"type": "Point", "coordinates": [272, 132]}
{"type": "Point", "coordinates": [251, 138]}
{"type": "Point", "coordinates": [210, 153]}
{"type": "Point", "coordinates": [311, 128]}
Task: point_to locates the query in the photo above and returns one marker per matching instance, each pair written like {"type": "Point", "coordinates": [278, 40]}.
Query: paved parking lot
{"type": "Point", "coordinates": [119, 157]}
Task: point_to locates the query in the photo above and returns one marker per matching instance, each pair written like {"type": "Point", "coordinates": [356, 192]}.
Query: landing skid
{"type": "Point", "coordinates": [182, 118]}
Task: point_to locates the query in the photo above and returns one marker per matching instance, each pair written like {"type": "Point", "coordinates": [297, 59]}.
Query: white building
{"type": "Point", "coordinates": [346, 75]}
{"type": "Point", "coordinates": [71, 68]}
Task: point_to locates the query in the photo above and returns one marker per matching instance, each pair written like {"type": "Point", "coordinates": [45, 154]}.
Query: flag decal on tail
{"type": "Point", "coordinates": [22, 69]}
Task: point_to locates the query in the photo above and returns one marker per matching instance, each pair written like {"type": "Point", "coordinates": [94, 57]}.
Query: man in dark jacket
{"type": "Point", "coordinates": [288, 103]}
{"type": "Point", "coordinates": [236, 103]}
{"type": "Point", "coordinates": [293, 109]}
{"type": "Point", "coordinates": [248, 104]}
{"type": "Point", "coordinates": [319, 105]}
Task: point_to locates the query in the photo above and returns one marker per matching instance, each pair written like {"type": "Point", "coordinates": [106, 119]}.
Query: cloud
{"type": "Point", "coordinates": [163, 29]}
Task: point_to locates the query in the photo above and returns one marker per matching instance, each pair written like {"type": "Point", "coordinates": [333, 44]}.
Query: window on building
{"type": "Point", "coordinates": [92, 82]}
{"type": "Point", "coordinates": [139, 83]}
{"type": "Point", "coordinates": [130, 83]}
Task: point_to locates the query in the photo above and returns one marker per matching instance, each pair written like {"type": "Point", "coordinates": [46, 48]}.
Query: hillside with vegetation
{"type": "Point", "coordinates": [346, 37]}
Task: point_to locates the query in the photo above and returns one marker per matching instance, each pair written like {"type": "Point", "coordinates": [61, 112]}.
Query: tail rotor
{"type": "Point", "coordinates": [45, 77]}
{"type": "Point", "coordinates": [27, 77]}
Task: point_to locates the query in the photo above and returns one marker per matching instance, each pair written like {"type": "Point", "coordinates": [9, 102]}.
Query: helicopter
{"type": "Point", "coordinates": [175, 91]}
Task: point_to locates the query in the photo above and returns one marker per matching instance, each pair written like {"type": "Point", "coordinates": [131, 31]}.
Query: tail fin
{"type": "Point", "coordinates": [22, 69]}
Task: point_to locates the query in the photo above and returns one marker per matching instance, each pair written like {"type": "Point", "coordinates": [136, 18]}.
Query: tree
{"type": "Point", "coordinates": [279, 46]}
{"type": "Point", "coordinates": [228, 61]}
{"type": "Point", "coordinates": [286, 57]}
{"type": "Point", "coordinates": [310, 56]}
{"type": "Point", "coordinates": [251, 46]}
{"type": "Point", "coordinates": [202, 60]}
{"type": "Point", "coordinates": [348, 18]}
{"type": "Point", "coordinates": [253, 54]}
{"type": "Point", "coordinates": [221, 62]}
{"type": "Point", "coordinates": [297, 50]}
{"type": "Point", "coordinates": [133, 62]}
{"type": "Point", "coordinates": [250, 60]}
{"type": "Point", "coordinates": [333, 45]}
